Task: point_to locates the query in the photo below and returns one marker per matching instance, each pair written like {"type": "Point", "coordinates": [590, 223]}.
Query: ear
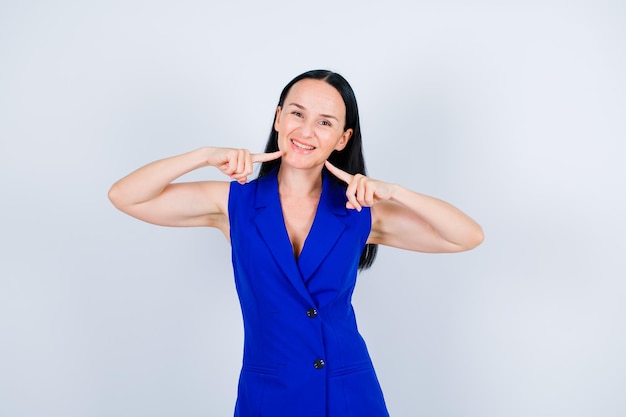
{"type": "Point", "coordinates": [276, 118]}
{"type": "Point", "coordinates": [345, 138]}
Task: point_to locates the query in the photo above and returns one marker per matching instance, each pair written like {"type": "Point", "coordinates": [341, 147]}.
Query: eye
{"type": "Point", "coordinates": [296, 113]}
{"type": "Point", "coordinates": [325, 123]}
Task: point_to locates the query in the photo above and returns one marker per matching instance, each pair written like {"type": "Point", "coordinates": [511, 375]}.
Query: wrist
{"type": "Point", "coordinates": [394, 190]}
{"type": "Point", "coordinates": [206, 155]}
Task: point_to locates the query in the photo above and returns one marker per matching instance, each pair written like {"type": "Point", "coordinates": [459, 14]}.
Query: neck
{"type": "Point", "coordinates": [299, 182]}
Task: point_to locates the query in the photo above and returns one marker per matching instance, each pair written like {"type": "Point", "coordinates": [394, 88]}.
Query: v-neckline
{"type": "Point", "coordinates": [298, 256]}
{"type": "Point", "coordinates": [328, 226]}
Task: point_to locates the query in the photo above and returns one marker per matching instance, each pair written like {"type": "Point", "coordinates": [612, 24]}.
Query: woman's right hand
{"type": "Point", "coordinates": [237, 163]}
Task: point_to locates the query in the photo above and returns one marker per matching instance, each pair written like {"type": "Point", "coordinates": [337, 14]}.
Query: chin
{"type": "Point", "coordinates": [294, 161]}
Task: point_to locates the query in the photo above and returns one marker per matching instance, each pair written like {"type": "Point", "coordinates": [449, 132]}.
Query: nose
{"type": "Point", "coordinates": [307, 129]}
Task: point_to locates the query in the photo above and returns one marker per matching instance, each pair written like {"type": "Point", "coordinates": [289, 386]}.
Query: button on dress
{"type": "Point", "coordinates": [303, 355]}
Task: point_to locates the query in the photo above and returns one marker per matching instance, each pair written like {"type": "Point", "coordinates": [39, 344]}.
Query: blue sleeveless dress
{"type": "Point", "coordinates": [303, 355]}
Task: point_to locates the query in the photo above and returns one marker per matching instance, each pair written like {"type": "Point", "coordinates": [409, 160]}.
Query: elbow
{"type": "Point", "coordinates": [115, 196]}
{"type": "Point", "coordinates": [474, 238]}
{"type": "Point", "coordinates": [469, 240]}
{"type": "Point", "coordinates": [479, 237]}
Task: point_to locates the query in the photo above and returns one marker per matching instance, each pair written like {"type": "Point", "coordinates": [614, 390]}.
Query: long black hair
{"type": "Point", "coordinates": [350, 159]}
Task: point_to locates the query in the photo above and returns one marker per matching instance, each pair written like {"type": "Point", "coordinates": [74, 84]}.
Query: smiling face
{"type": "Point", "coordinates": [310, 124]}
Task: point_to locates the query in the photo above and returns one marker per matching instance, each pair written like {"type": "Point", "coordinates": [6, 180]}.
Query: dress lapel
{"type": "Point", "coordinates": [327, 227]}
{"type": "Point", "coordinates": [271, 226]}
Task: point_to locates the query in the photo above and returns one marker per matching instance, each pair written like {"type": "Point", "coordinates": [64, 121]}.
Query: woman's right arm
{"type": "Point", "coordinates": [149, 194]}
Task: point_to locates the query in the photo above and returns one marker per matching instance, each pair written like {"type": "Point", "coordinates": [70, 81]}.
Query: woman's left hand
{"type": "Point", "coordinates": [362, 191]}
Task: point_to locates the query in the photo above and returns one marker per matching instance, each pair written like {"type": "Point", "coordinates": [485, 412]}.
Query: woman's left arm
{"type": "Point", "coordinates": [405, 219]}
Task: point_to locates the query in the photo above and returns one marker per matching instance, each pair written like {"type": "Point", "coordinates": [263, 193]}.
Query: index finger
{"type": "Point", "coordinates": [264, 157]}
{"type": "Point", "coordinates": [339, 173]}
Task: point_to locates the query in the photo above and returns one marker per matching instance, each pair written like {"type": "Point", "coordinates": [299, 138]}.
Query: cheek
{"type": "Point", "coordinates": [281, 141]}
{"type": "Point", "coordinates": [284, 126]}
{"type": "Point", "coordinates": [334, 140]}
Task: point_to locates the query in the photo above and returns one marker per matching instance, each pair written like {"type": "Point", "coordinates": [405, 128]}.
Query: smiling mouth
{"type": "Point", "coordinates": [302, 146]}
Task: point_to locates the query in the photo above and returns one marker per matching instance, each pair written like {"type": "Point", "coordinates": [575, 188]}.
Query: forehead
{"type": "Point", "coordinates": [317, 96]}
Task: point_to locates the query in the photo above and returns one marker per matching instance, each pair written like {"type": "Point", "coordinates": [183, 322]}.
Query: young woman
{"type": "Point", "coordinates": [299, 233]}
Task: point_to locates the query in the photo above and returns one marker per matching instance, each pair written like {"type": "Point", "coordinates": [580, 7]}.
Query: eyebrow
{"type": "Point", "coordinates": [301, 107]}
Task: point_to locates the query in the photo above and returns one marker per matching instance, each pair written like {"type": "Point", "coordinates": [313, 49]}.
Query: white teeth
{"type": "Point", "coordinates": [301, 146]}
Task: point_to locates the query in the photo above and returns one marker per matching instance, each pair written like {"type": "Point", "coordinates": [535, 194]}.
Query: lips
{"type": "Point", "coordinates": [302, 146]}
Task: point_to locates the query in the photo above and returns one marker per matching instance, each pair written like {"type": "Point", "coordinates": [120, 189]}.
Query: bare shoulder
{"type": "Point", "coordinates": [395, 225]}
{"type": "Point", "coordinates": [214, 194]}
{"type": "Point", "coordinates": [381, 228]}
{"type": "Point", "coordinates": [436, 227]}
{"type": "Point", "coordinates": [185, 204]}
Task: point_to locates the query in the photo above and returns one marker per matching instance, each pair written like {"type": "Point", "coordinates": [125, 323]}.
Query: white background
{"type": "Point", "coordinates": [513, 111]}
